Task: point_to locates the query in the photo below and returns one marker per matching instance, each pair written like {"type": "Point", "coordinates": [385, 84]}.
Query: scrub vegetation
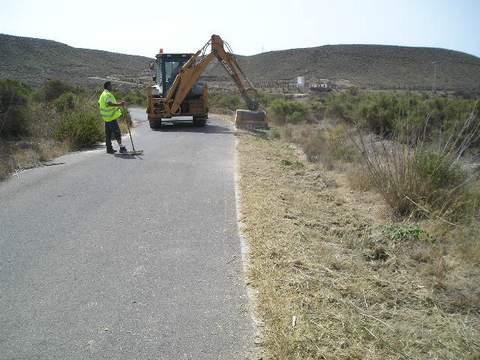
{"type": "Point", "coordinates": [419, 152]}
{"type": "Point", "coordinates": [38, 125]}
{"type": "Point", "coordinates": [363, 221]}
{"type": "Point", "coordinates": [224, 103]}
{"type": "Point", "coordinates": [133, 97]}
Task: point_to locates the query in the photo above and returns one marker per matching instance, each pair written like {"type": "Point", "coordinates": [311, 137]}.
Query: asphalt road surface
{"type": "Point", "coordinates": [105, 257]}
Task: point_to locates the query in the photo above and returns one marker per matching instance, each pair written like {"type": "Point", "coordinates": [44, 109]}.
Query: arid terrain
{"type": "Point", "coordinates": [367, 66]}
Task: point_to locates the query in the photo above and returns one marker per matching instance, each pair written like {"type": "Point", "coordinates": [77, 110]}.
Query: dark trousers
{"type": "Point", "coordinates": [112, 131]}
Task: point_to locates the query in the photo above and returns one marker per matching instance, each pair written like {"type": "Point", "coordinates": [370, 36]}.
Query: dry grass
{"type": "Point", "coordinates": [359, 179]}
{"type": "Point", "coordinates": [123, 123]}
{"type": "Point", "coordinates": [424, 178]}
{"type": "Point", "coordinates": [334, 282]}
{"type": "Point", "coordinates": [21, 155]}
{"type": "Point", "coordinates": [31, 152]}
{"type": "Point", "coordinates": [329, 144]}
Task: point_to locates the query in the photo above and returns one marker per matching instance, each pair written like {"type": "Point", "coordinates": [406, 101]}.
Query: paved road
{"type": "Point", "coordinates": [114, 258]}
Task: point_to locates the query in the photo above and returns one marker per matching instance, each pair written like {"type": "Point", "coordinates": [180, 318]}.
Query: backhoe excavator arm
{"type": "Point", "coordinates": [230, 64]}
{"type": "Point", "coordinates": [194, 68]}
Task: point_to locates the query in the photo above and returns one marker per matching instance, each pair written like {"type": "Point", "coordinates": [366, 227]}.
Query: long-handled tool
{"type": "Point", "coordinates": [133, 151]}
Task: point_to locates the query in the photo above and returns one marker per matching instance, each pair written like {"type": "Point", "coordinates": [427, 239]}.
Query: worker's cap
{"type": "Point", "coordinates": [107, 84]}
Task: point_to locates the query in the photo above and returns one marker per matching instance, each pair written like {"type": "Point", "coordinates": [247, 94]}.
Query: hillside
{"type": "Point", "coordinates": [368, 66]}
{"type": "Point", "coordinates": [35, 60]}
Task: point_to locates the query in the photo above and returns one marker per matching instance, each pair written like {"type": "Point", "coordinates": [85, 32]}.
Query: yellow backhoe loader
{"type": "Point", "coordinates": [177, 92]}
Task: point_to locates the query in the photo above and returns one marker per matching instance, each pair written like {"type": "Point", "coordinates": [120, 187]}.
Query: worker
{"type": "Point", "coordinates": [111, 110]}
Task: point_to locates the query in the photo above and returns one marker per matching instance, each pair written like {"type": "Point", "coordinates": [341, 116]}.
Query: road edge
{"type": "Point", "coordinates": [258, 325]}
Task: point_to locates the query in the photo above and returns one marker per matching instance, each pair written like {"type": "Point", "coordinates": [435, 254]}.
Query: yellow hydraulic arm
{"type": "Point", "coordinates": [194, 68]}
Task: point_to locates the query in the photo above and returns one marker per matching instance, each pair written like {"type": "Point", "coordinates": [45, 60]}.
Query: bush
{"type": "Point", "coordinates": [275, 133]}
{"type": "Point", "coordinates": [135, 97]}
{"type": "Point", "coordinates": [424, 178]}
{"type": "Point", "coordinates": [80, 128]}
{"type": "Point", "coordinates": [224, 103]}
{"type": "Point", "coordinates": [227, 103]}
{"type": "Point", "coordinates": [15, 114]}
{"type": "Point", "coordinates": [388, 113]}
{"type": "Point", "coordinates": [320, 145]}
{"type": "Point", "coordinates": [284, 112]}
{"type": "Point", "coordinates": [379, 113]}
{"type": "Point", "coordinates": [66, 102]}
{"type": "Point", "coordinates": [53, 89]}
{"type": "Point", "coordinates": [343, 105]}
{"type": "Point", "coordinates": [266, 99]}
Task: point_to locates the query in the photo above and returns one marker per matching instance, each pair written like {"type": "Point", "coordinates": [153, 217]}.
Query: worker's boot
{"type": "Point", "coordinates": [111, 151]}
{"type": "Point", "coordinates": [123, 149]}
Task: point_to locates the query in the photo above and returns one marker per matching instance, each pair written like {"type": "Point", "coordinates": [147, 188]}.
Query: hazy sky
{"type": "Point", "coordinates": [250, 26]}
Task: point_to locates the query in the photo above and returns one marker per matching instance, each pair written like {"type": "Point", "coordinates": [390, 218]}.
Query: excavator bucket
{"type": "Point", "coordinates": [250, 120]}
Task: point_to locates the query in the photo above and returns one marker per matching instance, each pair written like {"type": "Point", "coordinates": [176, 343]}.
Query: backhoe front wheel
{"type": "Point", "coordinates": [155, 124]}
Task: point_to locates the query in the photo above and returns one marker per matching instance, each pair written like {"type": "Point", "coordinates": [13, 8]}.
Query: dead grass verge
{"type": "Point", "coordinates": [21, 155]}
{"type": "Point", "coordinates": [334, 282]}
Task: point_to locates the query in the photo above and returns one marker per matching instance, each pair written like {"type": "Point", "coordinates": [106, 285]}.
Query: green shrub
{"type": "Point", "coordinates": [80, 128]}
{"type": "Point", "coordinates": [275, 133]}
{"type": "Point", "coordinates": [294, 164]}
{"type": "Point", "coordinates": [407, 233]}
{"type": "Point", "coordinates": [388, 113]}
{"type": "Point", "coordinates": [316, 109]}
{"type": "Point", "coordinates": [15, 113]}
{"type": "Point", "coordinates": [53, 89]}
{"type": "Point", "coordinates": [342, 105]}
{"type": "Point", "coordinates": [66, 102]}
{"type": "Point", "coordinates": [266, 99]}
{"type": "Point", "coordinates": [284, 112]}
{"type": "Point", "coordinates": [438, 170]}
{"type": "Point", "coordinates": [135, 97]}
{"type": "Point", "coordinates": [416, 166]}
{"type": "Point", "coordinates": [224, 103]}
{"type": "Point", "coordinates": [379, 113]}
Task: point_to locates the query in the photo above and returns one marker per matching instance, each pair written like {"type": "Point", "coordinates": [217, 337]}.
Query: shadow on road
{"type": "Point", "coordinates": [94, 147]}
{"type": "Point", "coordinates": [189, 127]}
{"type": "Point", "coordinates": [128, 156]}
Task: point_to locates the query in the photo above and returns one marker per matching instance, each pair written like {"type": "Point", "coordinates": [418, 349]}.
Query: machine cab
{"type": "Point", "coordinates": [167, 66]}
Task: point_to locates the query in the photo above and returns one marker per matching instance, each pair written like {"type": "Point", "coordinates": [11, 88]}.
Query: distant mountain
{"type": "Point", "coordinates": [367, 66]}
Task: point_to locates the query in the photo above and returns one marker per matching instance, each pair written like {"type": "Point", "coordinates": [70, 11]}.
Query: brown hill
{"type": "Point", "coordinates": [35, 60]}
{"type": "Point", "coordinates": [368, 66]}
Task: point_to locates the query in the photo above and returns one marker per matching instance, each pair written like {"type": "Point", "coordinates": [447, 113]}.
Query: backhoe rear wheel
{"type": "Point", "coordinates": [199, 121]}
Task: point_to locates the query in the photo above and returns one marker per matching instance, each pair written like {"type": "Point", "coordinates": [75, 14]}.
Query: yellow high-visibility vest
{"type": "Point", "coordinates": [109, 113]}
